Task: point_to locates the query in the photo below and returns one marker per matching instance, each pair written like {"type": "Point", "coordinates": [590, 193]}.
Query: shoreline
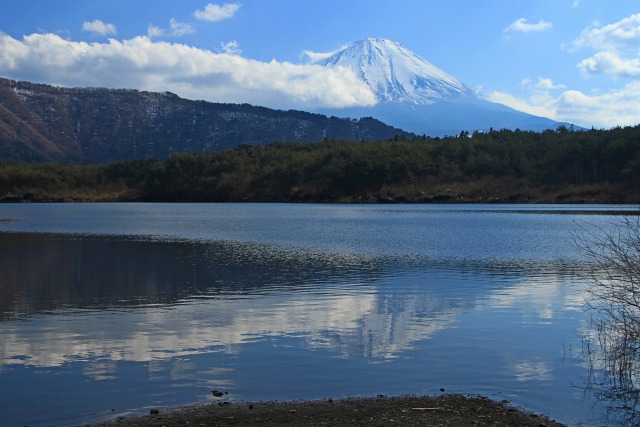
{"type": "Point", "coordinates": [438, 199]}
{"type": "Point", "coordinates": [408, 410]}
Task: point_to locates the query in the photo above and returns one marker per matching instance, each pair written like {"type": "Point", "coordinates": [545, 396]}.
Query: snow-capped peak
{"type": "Point", "coordinates": [396, 74]}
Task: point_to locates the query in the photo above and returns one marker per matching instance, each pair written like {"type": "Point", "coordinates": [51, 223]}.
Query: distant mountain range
{"type": "Point", "coordinates": [419, 97]}
{"type": "Point", "coordinates": [41, 123]}
{"type": "Point", "coordinates": [91, 126]}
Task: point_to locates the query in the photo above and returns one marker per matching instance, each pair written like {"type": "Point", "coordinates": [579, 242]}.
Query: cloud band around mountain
{"type": "Point", "coordinates": [145, 64]}
{"type": "Point", "coordinates": [615, 108]}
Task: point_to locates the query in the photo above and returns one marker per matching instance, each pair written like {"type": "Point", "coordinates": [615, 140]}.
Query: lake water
{"type": "Point", "coordinates": [112, 309]}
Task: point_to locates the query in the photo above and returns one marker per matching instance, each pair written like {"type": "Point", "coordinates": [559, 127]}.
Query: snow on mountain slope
{"type": "Point", "coordinates": [416, 96]}
{"type": "Point", "coordinates": [396, 74]}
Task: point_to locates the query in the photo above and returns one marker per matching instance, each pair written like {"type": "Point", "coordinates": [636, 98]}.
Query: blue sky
{"type": "Point", "coordinates": [570, 60]}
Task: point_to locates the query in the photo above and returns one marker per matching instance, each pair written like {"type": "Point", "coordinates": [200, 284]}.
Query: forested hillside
{"type": "Point", "coordinates": [41, 123]}
{"type": "Point", "coordinates": [498, 166]}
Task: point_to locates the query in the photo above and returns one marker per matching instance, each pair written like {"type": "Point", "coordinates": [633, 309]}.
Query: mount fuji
{"type": "Point", "coordinates": [419, 97]}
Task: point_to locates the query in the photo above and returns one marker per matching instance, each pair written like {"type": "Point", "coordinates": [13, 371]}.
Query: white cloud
{"type": "Point", "coordinates": [539, 108]}
{"type": "Point", "coordinates": [214, 12]}
{"type": "Point", "coordinates": [12, 53]}
{"type": "Point", "coordinates": [154, 32]}
{"type": "Point", "coordinates": [618, 107]}
{"type": "Point", "coordinates": [313, 57]}
{"type": "Point", "coordinates": [231, 48]}
{"type": "Point", "coordinates": [145, 64]}
{"type": "Point", "coordinates": [180, 28]}
{"type": "Point", "coordinates": [610, 63]}
{"type": "Point", "coordinates": [618, 45]}
{"type": "Point", "coordinates": [176, 29]}
{"type": "Point", "coordinates": [620, 36]}
{"type": "Point", "coordinates": [618, 56]}
{"type": "Point", "coordinates": [521, 25]}
{"type": "Point", "coordinates": [99, 27]}
{"type": "Point", "coordinates": [615, 108]}
{"type": "Point", "coordinates": [548, 84]}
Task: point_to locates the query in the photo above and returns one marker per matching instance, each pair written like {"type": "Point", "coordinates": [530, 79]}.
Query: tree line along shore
{"type": "Point", "coordinates": [555, 166]}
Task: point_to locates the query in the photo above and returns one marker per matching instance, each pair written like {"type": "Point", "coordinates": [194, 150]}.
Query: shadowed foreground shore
{"type": "Point", "coordinates": [445, 410]}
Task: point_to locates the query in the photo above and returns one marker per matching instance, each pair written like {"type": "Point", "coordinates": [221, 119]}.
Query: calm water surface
{"type": "Point", "coordinates": [112, 309]}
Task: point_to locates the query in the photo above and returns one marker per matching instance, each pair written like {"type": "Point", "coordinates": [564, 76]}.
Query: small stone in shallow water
{"type": "Point", "coordinates": [217, 393]}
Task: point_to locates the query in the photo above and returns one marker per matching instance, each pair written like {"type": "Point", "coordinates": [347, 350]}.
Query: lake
{"type": "Point", "coordinates": [113, 309]}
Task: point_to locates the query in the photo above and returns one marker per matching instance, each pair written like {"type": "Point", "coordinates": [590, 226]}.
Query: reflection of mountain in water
{"type": "Point", "coordinates": [140, 300]}
{"type": "Point", "coordinates": [398, 317]}
{"type": "Point", "coordinates": [46, 273]}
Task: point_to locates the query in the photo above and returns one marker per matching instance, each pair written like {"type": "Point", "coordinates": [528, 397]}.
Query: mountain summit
{"type": "Point", "coordinates": [395, 74]}
{"type": "Point", "coordinates": [416, 96]}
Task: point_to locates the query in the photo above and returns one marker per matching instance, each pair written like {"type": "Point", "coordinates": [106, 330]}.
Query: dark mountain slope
{"type": "Point", "coordinates": [91, 126]}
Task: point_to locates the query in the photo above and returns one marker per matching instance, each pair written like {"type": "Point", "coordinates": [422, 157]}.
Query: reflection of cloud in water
{"type": "Point", "coordinates": [531, 371]}
{"type": "Point", "coordinates": [191, 328]}
{"type": "Point", "coordinates": [151, 302]}
{"type": "Point", "coordinates": [385, 331]}
{"type": "Point", "coordinates": [540, 296]}
{"type": "Point", "coordinates": [538, 299]}
{"type": "Point", "coordinates": [354, 325]}
{"type": "Point", "coordinates": [100, 370]}
{"type": "Point", "coordinates": [129, 300]}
